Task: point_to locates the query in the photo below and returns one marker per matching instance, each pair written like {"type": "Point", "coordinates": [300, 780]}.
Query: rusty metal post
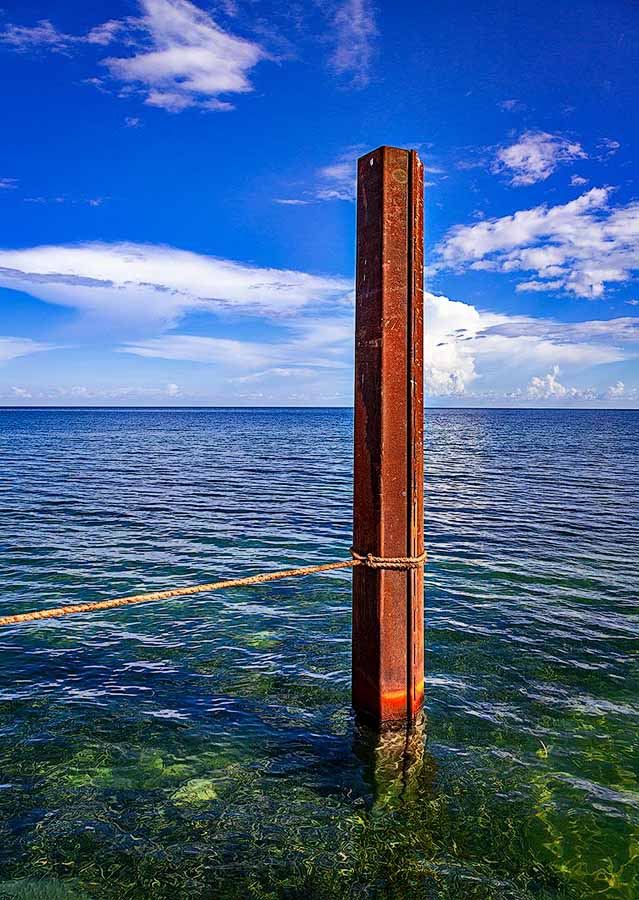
{"type": "Point", "coordinates": [388, 606]}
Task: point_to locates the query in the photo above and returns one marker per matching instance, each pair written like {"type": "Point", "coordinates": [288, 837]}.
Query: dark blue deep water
{"type": "Point", "coordinates": [205, 748]}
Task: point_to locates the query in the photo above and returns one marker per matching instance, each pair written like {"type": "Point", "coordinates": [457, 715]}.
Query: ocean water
{"type": "Point", "coordinates": [205, 748]}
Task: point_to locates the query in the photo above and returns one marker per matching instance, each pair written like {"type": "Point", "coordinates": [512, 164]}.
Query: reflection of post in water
{"type": "Point", "coordinates": [393, 759]}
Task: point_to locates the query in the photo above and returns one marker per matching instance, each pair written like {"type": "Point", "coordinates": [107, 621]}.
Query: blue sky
{"type": "Point", "coordinates": [177, 181]}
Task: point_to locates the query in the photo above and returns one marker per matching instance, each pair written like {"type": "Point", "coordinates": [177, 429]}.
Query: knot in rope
{"type": "Point", "coordinates": [388, 562]}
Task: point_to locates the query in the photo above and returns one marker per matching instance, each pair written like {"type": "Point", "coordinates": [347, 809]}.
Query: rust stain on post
{"type": "Point", "coordinates": [388, 606]}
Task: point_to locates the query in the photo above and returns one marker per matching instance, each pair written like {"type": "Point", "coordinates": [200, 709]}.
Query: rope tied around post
{"type": "Point", "coordinates": [373, 562]}
{"type": "Point", "coordinates": [388, 562]}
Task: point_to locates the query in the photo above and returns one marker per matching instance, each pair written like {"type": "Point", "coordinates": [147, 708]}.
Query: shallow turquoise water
{"type": "Point", "coordinates": [205, 748]}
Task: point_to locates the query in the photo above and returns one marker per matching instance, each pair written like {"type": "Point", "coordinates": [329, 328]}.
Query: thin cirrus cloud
{"type": "Point", "coordinates": [14, 347]}
{"type": "Point", "coordinates": [45, 35]}
{"type": "Point", "coordinates": [464, 347]}
{"type": "Point", "coordinates": [580, 247]}
{"type": "Point", "coordinates": [142, 285]}
{"type": "Point", "coordinates": [354, 41]}
{"type": "Point", "coordinates": [309, 343]}
{"type": "Point", "coordinates": [535, 156]}
{"type": "Point", "coordinates": [336, 181]}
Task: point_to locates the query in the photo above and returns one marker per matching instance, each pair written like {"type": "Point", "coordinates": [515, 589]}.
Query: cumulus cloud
{"type": "Point", "coordinates": [354, 34]}
{"type": "Point", "coordinates": [535, 156]}
{"type": "Point", "coordinates": [189, 60]}
{"type": "Point", "coordinates": [145, 284]}
{"type": "Point", "coordinates": [465, 346]}
{"type": "Point", "coordinates": [579, 247]}
{"type": "Point", "coordinates": [616, 391]}
{"type": "Point", "coordinates": [548, 387]}
{"type": "Point", "coordinates": [181, 58]}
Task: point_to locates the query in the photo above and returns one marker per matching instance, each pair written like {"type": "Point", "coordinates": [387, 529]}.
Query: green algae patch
{"type": "Point", "coordinates": [150, 770]}
{"type": "Point", "coordinates": [262, 640]}
{"type": "Point", "coordinates": [195, 791]}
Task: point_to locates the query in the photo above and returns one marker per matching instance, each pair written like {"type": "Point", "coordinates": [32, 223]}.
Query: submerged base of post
{"type": "Point", "coordinates": [388, 612]}
{"type": "Point", "coordinates": [393, 758]}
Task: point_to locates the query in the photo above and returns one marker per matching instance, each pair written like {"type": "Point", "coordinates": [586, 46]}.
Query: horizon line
{"type": "Point", "coordinates": [4, 407]}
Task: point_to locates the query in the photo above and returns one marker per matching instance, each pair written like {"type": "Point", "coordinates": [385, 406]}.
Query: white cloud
{"type": "Point", "coordinates": [338, 181]}
{"type": "Point", "coordinates": [107, 32]}
{"type": "Point", "coordinates": [535, 156]}
{"type": "Point", "coordinates": [181, 58]}
{"type": "Point", "coordinates": [607, 147]}
{"type": "Point", "coordinates": [616, 391]}
{"type": "Point", "coordinates": [7, 184]}
{"type": "Point", "coordinates": [215, 351]}
{"type": "Point", "coordinates": [20, 393]}
{"type": "Point", "coordinates": [13, 347]}
{"type": "Point", "coordinates": [449, 363]}
{"type": "Point", "coordinates": [79, 394]}
{"type": "Point", "coordinates": [548, 387]}
{"type": "Point", "coordinates": [309, 344]}
{"type": "Point", "coordinates": [578, 181]}
{"type": "Point", "coordinates": [578, 247]}
{"type": "Point", "coordinates": [89, 201]}
{"type": "Point", "coordinates": [139, 284]}
{"type": "Point", "coordinates": [297, 373]}
{"type": "Point", "coordinates": [132, 122]}
{"type": "Point", "coordinates": [354, 34]}
{"type": "Point", "coordinates": [464, 345]}
{"type": "Point", "coordinates": [147, 289]}
{"type": "Point", "coordinates": [284, 201]}
{"type": "Point", "coordinates": [549, 390]}
{"type": "Point", "coordinates": [43, 34]}
{"type": "Point", "coordinates": [190, 62]}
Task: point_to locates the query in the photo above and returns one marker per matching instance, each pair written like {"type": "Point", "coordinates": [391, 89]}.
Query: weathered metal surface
{"type": "Point", "coordinates": [388, 612]}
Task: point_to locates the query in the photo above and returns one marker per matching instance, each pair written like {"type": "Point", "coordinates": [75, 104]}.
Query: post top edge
{"type": "Point", "coordinates": [384, 147]}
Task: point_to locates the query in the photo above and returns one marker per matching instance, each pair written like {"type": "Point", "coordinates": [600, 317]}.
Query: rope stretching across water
{"type": "Point", "coordinates": [372, 562]}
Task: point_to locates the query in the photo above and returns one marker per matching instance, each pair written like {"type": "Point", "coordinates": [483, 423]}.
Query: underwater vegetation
{"type": "Point", "coordinates": [206, 750]}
